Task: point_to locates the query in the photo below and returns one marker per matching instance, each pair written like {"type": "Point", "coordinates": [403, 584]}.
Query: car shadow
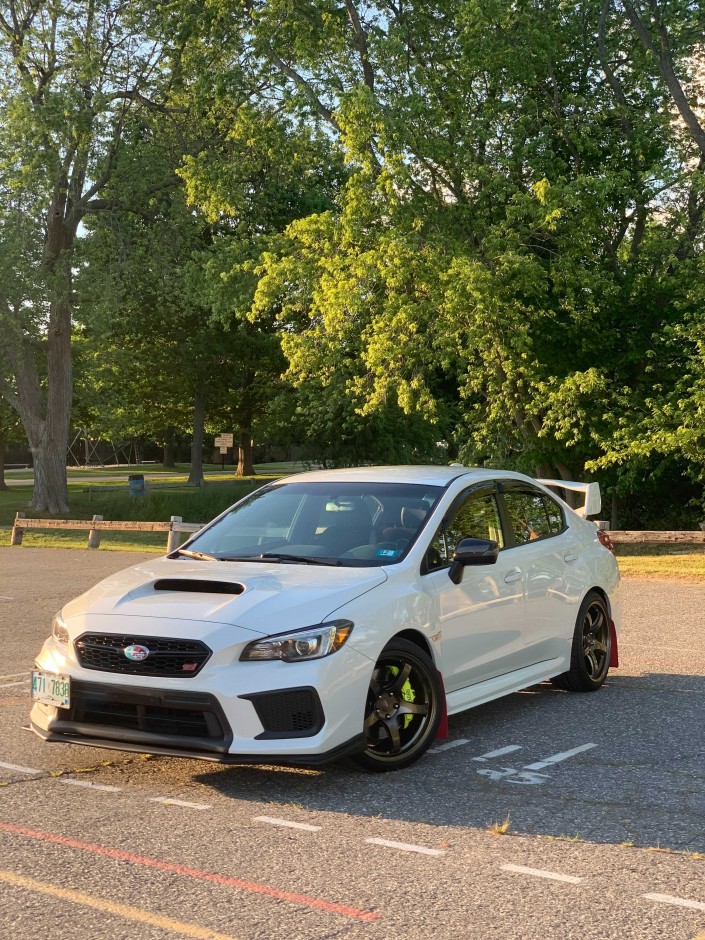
{"type": "Point", "coordinates": [637, 775]}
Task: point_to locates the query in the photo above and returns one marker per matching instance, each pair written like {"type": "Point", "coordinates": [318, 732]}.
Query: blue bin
{"type": "Point", "coordinates": [135, 484]}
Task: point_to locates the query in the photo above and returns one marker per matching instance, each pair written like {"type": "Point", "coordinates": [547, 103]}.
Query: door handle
{"type": "Point", "coordinates": [513, 575]}
{"type": "Point", "coordinates": [570, 556]}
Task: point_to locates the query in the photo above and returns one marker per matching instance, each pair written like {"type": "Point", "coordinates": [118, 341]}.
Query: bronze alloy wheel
{"type": "Point", "coordinates": [403, 708]}
{"type": "Point", "coordinates": [592, 647]}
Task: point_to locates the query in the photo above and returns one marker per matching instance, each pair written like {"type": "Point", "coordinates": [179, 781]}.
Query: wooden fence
{"type": "Point", "coordinates": [622, 537]}
{"type": "Point", "coordinates": [97, 524]}
{"type": "Point", "coordinates": [176, 526]}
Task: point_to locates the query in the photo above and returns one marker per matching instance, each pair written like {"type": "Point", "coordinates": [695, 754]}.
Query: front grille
{"type": "Point", "coordinates": [293, 713]}
{"type": "Point", "coordinates": [167, 657]}
{"type": "Point", "coordinates": [183, 715]}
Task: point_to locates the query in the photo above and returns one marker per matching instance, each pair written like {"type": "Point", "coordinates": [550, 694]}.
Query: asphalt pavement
{"type": "Point", "coordinates": [544, 814]}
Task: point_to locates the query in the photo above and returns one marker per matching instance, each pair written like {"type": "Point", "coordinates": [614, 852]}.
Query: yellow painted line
{"type": "Point", "coordinates": [110, 907]}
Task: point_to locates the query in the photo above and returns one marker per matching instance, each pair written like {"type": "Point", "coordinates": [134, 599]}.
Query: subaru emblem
{"type": "Point", "coordinates": [136, 652]}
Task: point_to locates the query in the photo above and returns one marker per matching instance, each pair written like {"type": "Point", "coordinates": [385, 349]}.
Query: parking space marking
{"type": "Point", "coordinates": [274, 821]}
{"type": "Point", "coordinates": [510, 748]}
{"type": "Point", "coordinates": [20, 769]}
{"type": "Point", "coordinates": [10, 685]}
{"type": "Point", "coordinates": [542, 873]}
{"type": "Point", "coordinates": [677, 902]}
{"type": "Point", "coordinates": [16, 675]}
{"type": "Point", "coordinates": [406, 847]}
{"type": "Point", "coordinates": [89, 785]}
{"type": "Point", "coordinates": [111, 907]}
{"type": "Point", "coordinates": [168, 801]}
{"type": "Point", "coordinates": [557, 758]}
{"type": "Point", "coordinates": [196, 873]}
{"type": "Point", "coordinates": [448, 745]}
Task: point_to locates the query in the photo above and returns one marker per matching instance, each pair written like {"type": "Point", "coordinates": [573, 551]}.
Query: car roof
{"type": "Point", "coordinates": [424, 475]}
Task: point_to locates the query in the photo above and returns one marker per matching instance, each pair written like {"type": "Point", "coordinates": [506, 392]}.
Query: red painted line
{"type": "Point", "coordinates": [197, 873]}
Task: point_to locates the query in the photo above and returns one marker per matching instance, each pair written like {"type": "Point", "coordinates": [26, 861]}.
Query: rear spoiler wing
{"type": "Point", "coordinates": [591, 492]}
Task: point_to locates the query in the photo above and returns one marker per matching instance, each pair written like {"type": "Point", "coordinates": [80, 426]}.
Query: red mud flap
{"type": "Point", "coordinates": [442, 732]}
{"type": "Point", "coordinates": [614, 654]}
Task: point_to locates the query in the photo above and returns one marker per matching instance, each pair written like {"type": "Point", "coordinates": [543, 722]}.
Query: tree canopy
{"type": "Point", "coordinates": [381, 231]}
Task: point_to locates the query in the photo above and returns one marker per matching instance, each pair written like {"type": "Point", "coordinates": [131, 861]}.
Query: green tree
{"type": "Point", "coordinates": [71, 74]}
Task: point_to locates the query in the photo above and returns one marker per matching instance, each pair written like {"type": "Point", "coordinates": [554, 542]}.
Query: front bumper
{"type": "Point", "coordinates": [240, 713]}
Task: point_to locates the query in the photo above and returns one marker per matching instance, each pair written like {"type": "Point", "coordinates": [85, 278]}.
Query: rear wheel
{"type": "Point", "coordinates": [403, 708]}
{"type": "Point", "coordinates": [592, 646]}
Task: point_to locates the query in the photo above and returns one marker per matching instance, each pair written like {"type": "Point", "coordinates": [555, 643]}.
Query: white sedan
{"type": "Point", "coordinates": [333, 613]}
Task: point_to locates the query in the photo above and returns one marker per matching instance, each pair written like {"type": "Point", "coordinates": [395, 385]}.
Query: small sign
{"type": "Point", "coordinates": [225, 440]}
{"type": "Point", "coordinates": [224, 450]}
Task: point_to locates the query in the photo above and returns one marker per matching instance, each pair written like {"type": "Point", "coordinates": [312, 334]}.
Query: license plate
{"type": "Point", "coordinates": [50, 689]}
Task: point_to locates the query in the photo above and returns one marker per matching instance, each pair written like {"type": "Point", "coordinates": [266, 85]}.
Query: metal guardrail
{"type": "Point", "coordinates": [97, 525]}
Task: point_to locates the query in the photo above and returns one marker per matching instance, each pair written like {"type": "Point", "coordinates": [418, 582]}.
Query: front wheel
{"type": "Point", "coordinates": [592, 647]}
{"type": "Point", "coordinates": [403, 708]}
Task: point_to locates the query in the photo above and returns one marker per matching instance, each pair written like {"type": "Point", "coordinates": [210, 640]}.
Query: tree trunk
{"type": "Point", "coordinates": [614, 520]}
{"type": "Point", "coordinates": [50, 487]}
{"type": "Point", "coordinates": [245, 467]}
{"type": "Point", "coordinates": [199, 416]}
{"type": "Point", "coordinates": [3, 485]}
{"type": "Point", "coordinates": [169, 459]}
{"type": "Point", "coordinates": [46, 416]}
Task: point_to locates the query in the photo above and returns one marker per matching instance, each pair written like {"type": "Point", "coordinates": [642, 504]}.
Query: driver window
{"type": "Point", "coordinates": [476, 517]}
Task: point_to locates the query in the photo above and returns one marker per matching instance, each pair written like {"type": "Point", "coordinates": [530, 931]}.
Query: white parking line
{"type": "Point", "coordinates": [273, 821]}
{"type": "Point", "coordinates": [167, 801]}
{"type": "Point", "coordinates": [542, 873]}
{"type": "Point", "coordinates": [405, 847]}
{"type": "Point", "coordinates": [21, 769]}
{"type": "Point", "coordinates": [15, 675]}
{"type": "Point", "coordinates": [88, 784]}
{"type": "Point", "coordinates": [498, 753]}
{"type": "Point", "coordinates": [10, 685]}
{"type": "Point", "coordinates": [448, 745]}
{"type": "Point", "coordinates": [678, 902]}
{"type": "Point", "coordinates": [557, 758]}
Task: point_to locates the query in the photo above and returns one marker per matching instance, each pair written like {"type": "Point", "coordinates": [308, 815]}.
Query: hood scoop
{"type": "Point", "coordinates": [198, 586]}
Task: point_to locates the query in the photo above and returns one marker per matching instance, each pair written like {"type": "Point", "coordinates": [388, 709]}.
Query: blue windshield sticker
{"type": "Point", "coordinates": [387, 552]}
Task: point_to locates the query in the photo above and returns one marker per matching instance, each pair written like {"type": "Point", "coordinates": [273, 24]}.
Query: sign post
{"type": "Point", "coordinates": [224, 441]}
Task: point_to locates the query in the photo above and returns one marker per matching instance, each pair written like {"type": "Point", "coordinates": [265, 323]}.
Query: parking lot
{"type": "Point", "coordinates": [544, 814]}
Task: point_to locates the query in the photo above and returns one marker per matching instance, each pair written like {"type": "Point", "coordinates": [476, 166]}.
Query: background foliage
{"type": "Point", "coordinates": [385, 232]}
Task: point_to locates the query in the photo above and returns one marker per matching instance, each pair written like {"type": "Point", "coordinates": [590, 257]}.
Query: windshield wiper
{"type": "Point", "coordinates": [305, 559]}
{"type": "Point", "coordinates": [200, 556]}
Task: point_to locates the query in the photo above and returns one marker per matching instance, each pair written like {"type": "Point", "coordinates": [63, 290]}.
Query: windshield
{"type": "Point", "coordinates": [353, 524]}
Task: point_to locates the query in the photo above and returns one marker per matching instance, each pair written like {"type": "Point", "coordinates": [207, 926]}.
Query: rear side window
{"type": "Point", "coordinates": [533, 515]}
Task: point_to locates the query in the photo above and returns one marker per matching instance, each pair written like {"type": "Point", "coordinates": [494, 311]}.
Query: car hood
{"type": "Point", "coordinates": [259, 597]}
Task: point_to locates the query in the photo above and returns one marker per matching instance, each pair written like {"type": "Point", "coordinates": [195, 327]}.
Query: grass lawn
{"type": "Point", "coordinates": [682, 562]}
{"type": "Point", "coordinates": [193, 504]}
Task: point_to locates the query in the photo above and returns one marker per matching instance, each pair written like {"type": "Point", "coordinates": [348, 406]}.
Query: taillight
{"type": "Point", "coordinates": [605, 540]}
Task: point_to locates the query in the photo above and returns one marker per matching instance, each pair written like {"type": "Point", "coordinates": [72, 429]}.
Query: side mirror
{"type": "Point", "coordinates": [472, 552]}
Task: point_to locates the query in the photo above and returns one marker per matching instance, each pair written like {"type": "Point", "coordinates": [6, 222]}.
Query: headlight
{"type": "Point", "coordinates": [309, 643]}
{"type": "Point", "coordinates": [58, 629]}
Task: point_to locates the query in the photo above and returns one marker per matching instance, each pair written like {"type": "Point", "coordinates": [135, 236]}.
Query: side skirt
{"type": "Point", "coordinates": [503, 685]}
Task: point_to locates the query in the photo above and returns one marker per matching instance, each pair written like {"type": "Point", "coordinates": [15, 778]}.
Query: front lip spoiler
{"type": "Point", "coordinates": [353, 746]}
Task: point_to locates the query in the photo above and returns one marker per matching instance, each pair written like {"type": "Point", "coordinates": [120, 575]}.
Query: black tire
{"type": "Point", "coordinates": [403, 708]}
{"type": "Point", "coordinates": [592, 647]}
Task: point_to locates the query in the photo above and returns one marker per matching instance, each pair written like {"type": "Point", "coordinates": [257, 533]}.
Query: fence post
{"type": "Point", "coordinates": [94, 534]}
{"type": "Point", "coordinates": [173, 539]}
{"type": "Point", "coordinates": [16, 536]}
